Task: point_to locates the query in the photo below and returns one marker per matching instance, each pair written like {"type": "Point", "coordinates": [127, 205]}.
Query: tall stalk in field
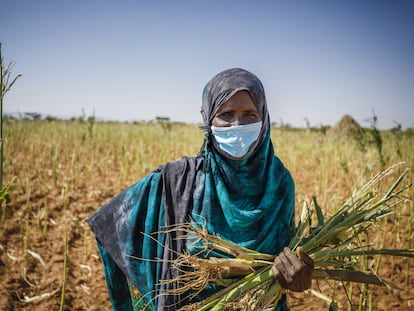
{"type": "Point", "coordinates": [6, 84]}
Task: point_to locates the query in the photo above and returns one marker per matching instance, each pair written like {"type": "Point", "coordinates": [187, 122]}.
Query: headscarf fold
{"type": "Point", "coordinates": [248, 201]}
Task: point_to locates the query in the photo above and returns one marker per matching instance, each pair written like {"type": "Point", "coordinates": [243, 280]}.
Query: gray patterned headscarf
{"type": "Point", "coordinates": [219, 90]}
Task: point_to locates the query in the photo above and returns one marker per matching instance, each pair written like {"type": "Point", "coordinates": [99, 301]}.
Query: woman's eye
{"type": "Point", "coordinates": [252, 115]}
{"type": "Point", "coordinates": [226, 114]}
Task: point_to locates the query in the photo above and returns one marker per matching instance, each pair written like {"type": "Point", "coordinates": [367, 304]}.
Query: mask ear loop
{"type": "Point", "coordinates": [205, 146]}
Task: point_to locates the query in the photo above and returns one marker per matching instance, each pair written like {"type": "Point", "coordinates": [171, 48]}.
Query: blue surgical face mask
{"type": "Point", "coordinates": [236, 140]}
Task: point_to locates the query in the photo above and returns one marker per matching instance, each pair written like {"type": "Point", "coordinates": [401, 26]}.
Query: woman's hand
{"type": "Point", "coordinates": [293, 272]}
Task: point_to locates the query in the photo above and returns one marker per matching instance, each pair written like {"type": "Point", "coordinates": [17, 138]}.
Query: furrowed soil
{"type": "Point", "coordinates": [41, 218]}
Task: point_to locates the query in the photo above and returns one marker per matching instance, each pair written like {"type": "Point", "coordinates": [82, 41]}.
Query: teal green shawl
{"type": "Point", "coordinates": [249, 202]}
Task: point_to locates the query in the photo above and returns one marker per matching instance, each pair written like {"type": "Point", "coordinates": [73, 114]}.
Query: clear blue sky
{"type": "Point", "coordinates": [135, 60]}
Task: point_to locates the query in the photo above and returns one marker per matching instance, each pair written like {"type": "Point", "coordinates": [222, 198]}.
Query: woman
{"type": "Point", "coordinates": [236, 185]}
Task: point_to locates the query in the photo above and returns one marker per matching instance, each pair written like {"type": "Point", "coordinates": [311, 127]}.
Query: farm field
{"type": "Point", "coordinates": [65, 170]}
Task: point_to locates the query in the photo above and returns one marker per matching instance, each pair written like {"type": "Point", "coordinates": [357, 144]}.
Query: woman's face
{"type": "Point", "coordinates": [238, 110]}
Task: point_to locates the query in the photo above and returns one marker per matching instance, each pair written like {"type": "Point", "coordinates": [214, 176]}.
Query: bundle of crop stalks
{"type": "Point", "coordinates": [336, 245]}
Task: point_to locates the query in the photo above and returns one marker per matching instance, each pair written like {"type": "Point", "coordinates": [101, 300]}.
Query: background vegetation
{"type": "Point", "coordinates": [65, 170]}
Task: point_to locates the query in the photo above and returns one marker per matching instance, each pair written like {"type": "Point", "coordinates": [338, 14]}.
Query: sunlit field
{"type": "Point", "coordinates": [65, 170]}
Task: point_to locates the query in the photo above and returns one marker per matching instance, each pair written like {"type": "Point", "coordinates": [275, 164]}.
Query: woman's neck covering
{"type": "Point", "coordinates": [240, 195]}
{"type": "Point", "coordinates": [248, 201]}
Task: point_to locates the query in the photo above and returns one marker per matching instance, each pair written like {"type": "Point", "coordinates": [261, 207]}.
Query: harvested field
{"type": "Point", "coordinates": [65, 170]}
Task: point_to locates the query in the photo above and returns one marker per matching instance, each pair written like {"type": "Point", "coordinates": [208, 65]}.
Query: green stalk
{"type": "Point", "coordinates": [350, 296]}
{"type": "Point", "coordinates": [236, 250]}
{"type": "Point", "coordinates": [213, 299]}
{"type": "Point", "coordinates": [333, 227]}
{"type": "Point", "coordinates": [364, 287]}
{"type": "Point", "coordinates": [396, 183]}
{"type": "Point", "coordinates": [5, 86]}
{"type": "Point", "coordinates": [351, 276]}
{"type": "Point", "coordinates": [321, 256]}
{"type": "Point", "coordinates": [262, 276]}
{"type": "Point", "coordinates": [410, 225]}
{"type": "Point", "coordinates": [339, 222]}
{"type": "Point", "coordinates": [272, 295]}
{"type": "Point", "coordinates": [65, 268]}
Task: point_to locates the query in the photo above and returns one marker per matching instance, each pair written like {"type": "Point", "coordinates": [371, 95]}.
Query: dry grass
{"type": "Point", "coordinates": [65, 170]}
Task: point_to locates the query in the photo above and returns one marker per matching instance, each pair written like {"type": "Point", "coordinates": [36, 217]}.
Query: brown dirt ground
{"type": "Point", "coordinates": [27, 284]}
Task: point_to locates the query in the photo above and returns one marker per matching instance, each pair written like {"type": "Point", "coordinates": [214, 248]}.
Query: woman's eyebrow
{"type": "Point", "coordinates": [225, 109]}
{"type": "Point", "coordinates": [252, 110]}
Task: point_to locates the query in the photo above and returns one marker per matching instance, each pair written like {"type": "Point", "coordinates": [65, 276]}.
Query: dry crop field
{"type": "Point", "coordinates": [65, 170]}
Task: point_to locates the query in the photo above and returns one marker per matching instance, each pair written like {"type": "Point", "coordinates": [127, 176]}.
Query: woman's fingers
{"type": "Point", "coordinates": [283, 269]}
{"type": "Point", "coordinates": [305, 257]}
{"type": "Point", "coordinates": [280, 272]}
{"type": "Point", "coordinates": [293, 272]}
{"type": "Point", "coordinates": [292, 260]}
